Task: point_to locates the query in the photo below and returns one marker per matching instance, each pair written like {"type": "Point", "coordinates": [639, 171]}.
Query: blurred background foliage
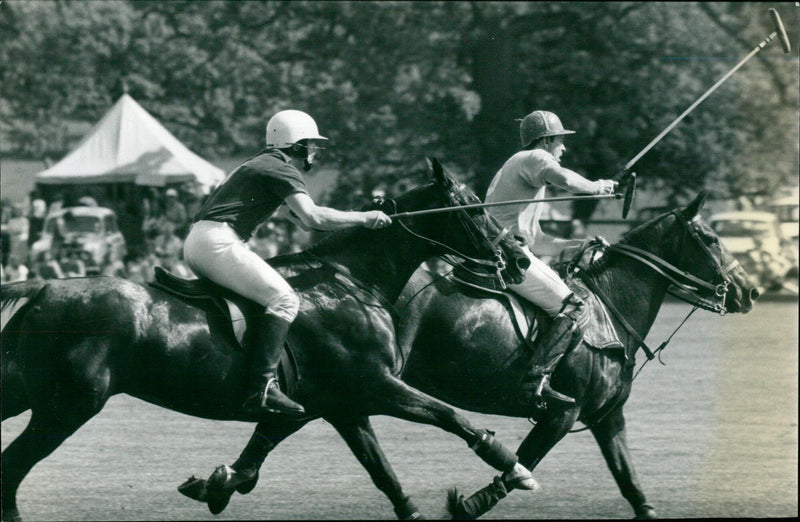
{"type": "Point", "coordinates": [393, 82]}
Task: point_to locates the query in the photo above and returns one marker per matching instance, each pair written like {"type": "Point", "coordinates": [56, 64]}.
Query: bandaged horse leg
{"type": "Point", "coordinates": [548, 431]}
{"type": "Point", "coordinates": [400, 400]}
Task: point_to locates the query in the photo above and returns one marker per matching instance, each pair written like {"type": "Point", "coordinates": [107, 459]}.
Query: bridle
{"type": "Point", "coordinates": [684, 285]}
{"type": "Point", "coordinates": [494, 266]}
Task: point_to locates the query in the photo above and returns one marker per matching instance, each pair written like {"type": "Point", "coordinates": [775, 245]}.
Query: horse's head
{"type": "Point", "coordinates": [469, 234]}
{"type": "Point", "coordinates": [703, 271]}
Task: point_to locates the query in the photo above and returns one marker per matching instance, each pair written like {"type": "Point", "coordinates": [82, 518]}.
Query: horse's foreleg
{"type": "Point", "coordinates": [360, 438]}
{"type": "Point", "coordinates": [395, 398]}
{"type": "Point", "coordinates": [552, 427]}
{"type": "Point", "coordinates": [610, 435]}
{"type": "Point", "coordinates": [242, 476]}
{"type": "Point", "coordinates": [39, 439]}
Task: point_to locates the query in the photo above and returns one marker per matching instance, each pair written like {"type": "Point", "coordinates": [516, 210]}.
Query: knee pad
{"type": "Point", "coordinates": [284, 305]}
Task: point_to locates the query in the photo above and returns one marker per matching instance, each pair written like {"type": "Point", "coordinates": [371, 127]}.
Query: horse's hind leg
{"type": "Point", "coordinates": [550, 429]}
{"type": "Point", "coordinates": [359, 436]}
{"type": "Point", "coordinates": [610, 435]}
{"type": "Point", "coordinates": [40, 438]}
{"type": "Point", "coordinates": [395, 398]}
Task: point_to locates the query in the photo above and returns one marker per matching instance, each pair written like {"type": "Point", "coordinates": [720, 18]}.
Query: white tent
{"type": "Point", "coordinates": [128, 145]}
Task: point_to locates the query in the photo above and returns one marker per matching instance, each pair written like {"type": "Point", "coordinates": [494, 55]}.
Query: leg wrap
{"type": "Point", "coordinates": [493, 452]}
{"type": "Point", "coordinates": [479, 503]}
{"type": "Point", "coordinates": [407, 511]}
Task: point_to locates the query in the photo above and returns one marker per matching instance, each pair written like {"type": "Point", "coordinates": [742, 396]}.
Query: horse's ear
{"type": "Point", "coordinates": [438, 173]}
{"type": "Point", "coordinates": [694, 207]}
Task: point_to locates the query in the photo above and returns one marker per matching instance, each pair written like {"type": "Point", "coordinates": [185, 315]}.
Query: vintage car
{"type": "Point", "coordinates": [756, 240]}
{"type": "Point", "coordinates": [91, 231]}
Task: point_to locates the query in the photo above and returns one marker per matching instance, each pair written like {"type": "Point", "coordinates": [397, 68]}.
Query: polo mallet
{"type": "Point", "coordinates": [502, 203]}
{"type": "Point", "coordinates": [625, 175]}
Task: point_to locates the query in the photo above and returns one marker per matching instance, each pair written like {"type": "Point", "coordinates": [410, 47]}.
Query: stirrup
{"type": "Point", "coordinates": [544, 389]}
{"type": "Point", "coordinates": [280, 403]}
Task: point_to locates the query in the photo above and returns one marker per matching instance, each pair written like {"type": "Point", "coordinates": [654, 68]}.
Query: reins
{"type": "Point", "coordinates": [690, 285]}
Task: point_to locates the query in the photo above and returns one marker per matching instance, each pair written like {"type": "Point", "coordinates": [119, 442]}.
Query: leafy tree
{"type": "Point", "coordinates": [393, 82]}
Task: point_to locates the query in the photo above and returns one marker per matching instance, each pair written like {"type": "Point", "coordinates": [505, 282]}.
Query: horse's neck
{"type": "Point", "coordinates": [382, 260]}
{"type": "Point", "coordinates": [636, 291]}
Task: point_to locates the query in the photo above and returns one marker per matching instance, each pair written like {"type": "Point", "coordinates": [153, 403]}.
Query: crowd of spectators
{"type": "Point", "coordinates": [154, 228]}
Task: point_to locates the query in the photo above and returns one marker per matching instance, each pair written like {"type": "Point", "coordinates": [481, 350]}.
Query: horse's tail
{"type": "Point", "coordinates": [15, 300]}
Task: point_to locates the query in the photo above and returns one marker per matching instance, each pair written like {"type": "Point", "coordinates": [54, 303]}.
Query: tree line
{"type": "Point", "coordinates": [393, 82]}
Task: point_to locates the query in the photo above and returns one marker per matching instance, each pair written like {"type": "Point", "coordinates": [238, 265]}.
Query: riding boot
{"type": "Point", "coordinates": [264, 394]}
{"type": "Point", "coordinates": [564, 333]}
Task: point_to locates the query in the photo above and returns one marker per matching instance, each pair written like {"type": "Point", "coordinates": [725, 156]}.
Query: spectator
{"type": "Point", "coordinates": [113, 267]}
{"type": "Point", "coordinates": [36, 220]}
{"type": "Point", "coordinates": [263, 241]}
{"type": "Point", "coordinates": [87, 201]}
{"type": "Point", "coordinates": [167, 243]}
{"type": "Point", "coordinates": [175, 212]}
{"type": "Point", "coordinates": [57, 203]}
{"type": "Point", "coordinates": [15, 271]}
{"type": "Point", "coordinates": [136, 268]}
{"type": "Point", "coordinates": [47, 267]}
{"type": "Point", "coordinates": [18, 231]}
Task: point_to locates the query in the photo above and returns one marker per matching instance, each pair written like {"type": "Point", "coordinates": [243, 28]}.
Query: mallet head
{"type": "Point", "coordinates": [780, 31]}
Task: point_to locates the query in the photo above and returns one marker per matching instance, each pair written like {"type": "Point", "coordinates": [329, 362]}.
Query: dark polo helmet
{"type": "Point", "coordinates": [540, 124]}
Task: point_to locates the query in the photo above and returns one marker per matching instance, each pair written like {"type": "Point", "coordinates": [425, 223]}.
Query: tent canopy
{"type": "Point", "coordinates": [128, 145]}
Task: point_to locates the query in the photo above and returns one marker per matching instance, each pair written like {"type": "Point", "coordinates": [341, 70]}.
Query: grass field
{"type": "Point", "coordinates": [713, 434]}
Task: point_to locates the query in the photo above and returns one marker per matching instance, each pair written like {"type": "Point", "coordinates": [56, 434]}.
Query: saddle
{"type": "Point", "coordinates": [233, 307]}
{"type": "Point", "coordinates": [530, 320]}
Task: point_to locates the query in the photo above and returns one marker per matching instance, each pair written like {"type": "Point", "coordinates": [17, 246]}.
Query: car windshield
{"type": "Point", "coordinates": [77, 224]}
{"type": "Point", "coordinates": [741, 227]}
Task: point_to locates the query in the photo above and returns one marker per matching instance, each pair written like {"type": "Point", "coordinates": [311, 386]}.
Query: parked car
{"type": "Point", "coordinates": [92, 231]}
{"type": "Point", "coordinates": [756, 240]}
{"type": "Point", "coordinates": [788, 211]}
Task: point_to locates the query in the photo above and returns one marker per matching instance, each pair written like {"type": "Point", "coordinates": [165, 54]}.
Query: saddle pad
{"type": "Point", "coordinates": [600, 333]}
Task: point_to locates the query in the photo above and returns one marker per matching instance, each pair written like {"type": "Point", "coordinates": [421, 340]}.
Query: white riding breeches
{"type": "Point", "coordinates": [542, 286]}
{"type": "Point", "coordinates": [213, 250]}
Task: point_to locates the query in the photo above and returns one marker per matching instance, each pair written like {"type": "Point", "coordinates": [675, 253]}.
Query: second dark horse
{"type": "Point", "coordinates": [442, 327]}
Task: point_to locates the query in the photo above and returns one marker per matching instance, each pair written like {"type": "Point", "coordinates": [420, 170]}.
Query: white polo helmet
{"type": "Point", "coordinates": [540, 124]}
{"type": "Point", "coordinates": [286, 128]}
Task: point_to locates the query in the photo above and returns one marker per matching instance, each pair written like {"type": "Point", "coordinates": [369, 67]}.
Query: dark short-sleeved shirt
{"type": "Point", "coordinates": [253, 192]}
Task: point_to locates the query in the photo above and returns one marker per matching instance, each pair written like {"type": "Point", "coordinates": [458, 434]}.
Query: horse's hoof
{"type": "Point", "coordinates": [645, 512]}
{"type": "Point", "coordinates": [408, 511]}
{"type": "Point", "coordinates": [193, 488]}
{"type": "Point", "coordinates": [217, 495]}
{"type": "Point", "coordinates": [247, 486]}
{"type": "Point", "coordinates": [520, 478]}
{"type": "Point", "coordinates": [218, 501]}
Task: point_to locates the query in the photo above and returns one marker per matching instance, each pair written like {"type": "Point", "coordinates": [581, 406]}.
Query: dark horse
{"type": "Point", "coordinates": [443, 327]}
{"type": "Point", "coordinates": [71, 344]}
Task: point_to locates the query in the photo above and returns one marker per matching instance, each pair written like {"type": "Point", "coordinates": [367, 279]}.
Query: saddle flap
{"type": "Point", "coordinates": [232, 306]}
{"type": "Point", "coordinates": [528, 318]}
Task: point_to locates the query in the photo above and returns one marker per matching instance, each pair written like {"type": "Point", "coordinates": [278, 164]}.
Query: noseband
{"type": "Point", "coordinates": [686, 286]}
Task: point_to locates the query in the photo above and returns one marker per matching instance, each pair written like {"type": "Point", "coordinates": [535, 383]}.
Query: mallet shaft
{"type": "Point", "coordinates": [502, 203]}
